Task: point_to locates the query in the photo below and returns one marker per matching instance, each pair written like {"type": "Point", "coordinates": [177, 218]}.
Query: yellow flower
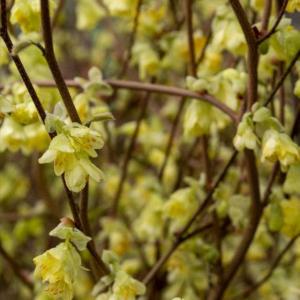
{"type": "Point", "coordinates": [279, 146]}
{"type": "Point", "coordinates": [75, 166]}
{"type": "Point", "coordinates": [126, 288]}
{"type": "Point", "coordinates": [89, 13]}
{"type": "Point", "coordinates": [58, 269]}
{"type": "Point", "coordinates": [121, 7]}
{"type": "Point", "coordinates": [293, 5]}
{"type": "Point", "coordinates": [291, 213]}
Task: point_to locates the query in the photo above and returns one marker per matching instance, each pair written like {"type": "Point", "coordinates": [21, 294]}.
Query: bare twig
{"type": "Point", "coordinates": [57, 12]}
{"type": "Point", "coordinates": [256, 207]}
{"type": "Point", "coordinates": [21, 274]}
{"type": "Point", "coordinates": [129, 152]}
{"type": "Point", "coordinates": [148, 278]}
{"type": "Point", "coordinates": [282, 78]}
{"type": "Point", "coordinates": [132, 38]}
{"type": "Point", "coordinates": [245, 294]}
{"type": "Point", "coordinates": [156, 88]}
{"type": "Point", "coordinates": [266, 15]}
{"type": "Point", "coordinates": [274, 27]}
{"type": "Point", "coordinates": [52, 62]}
{"type": "Point", "coordinates": [171, 138]}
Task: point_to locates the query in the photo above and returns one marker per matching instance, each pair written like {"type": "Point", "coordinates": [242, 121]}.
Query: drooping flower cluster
{"type": "Point", "coordinates": [70, 151]}
{"type": "Point", "coordinates": [58, 268]}
{"type": "Point", "coordinates": [259, 128]}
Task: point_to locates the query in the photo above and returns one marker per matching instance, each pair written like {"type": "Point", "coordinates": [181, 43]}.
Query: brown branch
{"type": "Point", "coordinates": [193, 71]}
{"type": "Point", "coordinates": [190, 36]}
{"type": "Point", "coordinates": [252, 59]}
{"type": "Point", "coordinates": [155, 88]}
{"type": "Point", "coordinates": [266, 15]}
{"type": "Point", "coordinates": [132, 38]}
{"type": "Point", "coordinates": [83, 210]}
{"type": "Point", "coordinates": [57, 13]}
{"type": "Point", "coordinates": [52, 62]}
{"type": "Point", "coordinates": [21, 274]}
{"type": "Point", "coordinates": [20, 67]}
{"type": "Point", "coordinates": [274, 27]}
{"type": "Point", "coordinates": [163, 259]}
{"type": "Point", "coordinates": [282, 100]}
{"type": "Point", "coordinates": [38, 105]}
{"type": "Point", "coordinates": [253, 178]}
{"type": "Point", "coordinates": [171, 138]}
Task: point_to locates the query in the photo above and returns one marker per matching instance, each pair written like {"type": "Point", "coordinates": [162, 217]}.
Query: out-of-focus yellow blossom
{"type": "Point", "coordinates": [180, 207]}
{"type": "Point", "coordinates": [95, 84]}
{"type": "Point", "coordinates": [126, 288]}
{"type": "Point", "coordinates": [149, 225]}
{"type": "Point", "coordinates": [291, 184]}
{"type": "Point", "coordinates": [198, 118]}
{"type": "Point", "coordinates": [297, 88]}
{"type": "Point", "coordinates": [121, 8]}
{"type": "Point", "coordinates": [176, 49]}
{"type": "Point", "coordinates": [225, 27]}
{"type": "Point", "coordinates": [14, 185]}
{"type": "Point", "coordinates": [147, 59]}
{"type": "Point", "coordinates": [279, 146]}
{"type": "Point", "coordinates": [258, 4]}
{"type": "Point", "coordinates": [26, 13]}
{"type": "Point", "coordinates": [291, 215]}
{"type": "Point", "coordinates": [227, 86]}
{"type": "Point", "coordinates": [211, 64]}
{"type": "Point", "coordinates": [4, 58]}
{"type": "Point", "coordinates": [153, 18]}
{"type": "Point", "coordinates": [293, 5]}
{"type": "Point", "coordinates": [88, 14]}
{"type": "Point", "coordinates": [11, 135]}
{"type": "Point", "coordinates": [19, 105]}
{"type": "Point", "coordinates": [286, 41]}
{"type": "Point", "coordinates": [117, 234]}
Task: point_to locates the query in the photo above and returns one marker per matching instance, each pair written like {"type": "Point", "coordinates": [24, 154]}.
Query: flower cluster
{"type": "Point", "coordinates": [58, 268]}
{"type": "Point", "coordinates": [259, 128]}
{"type": "Point", "coordinates": [70, 151]}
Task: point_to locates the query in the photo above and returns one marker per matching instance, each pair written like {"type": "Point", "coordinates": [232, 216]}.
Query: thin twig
{"type": "Point", "coordinates": [182, 233]}
{"type": "Point", "coordinates": [21, 274]}
{"type": "Point", "coordinates": [193, 72]}
{"type": "Point", "coordinates": [266, 15]}
{"type": "Point", "coordinates": [155, 88]}
{"type": "Point", "coordinates": [129, 152]}
{"type": "Point", "coordinates": [57, 12]}
{"type": "Point", "coordinates": [253, 178]}
{"type": "Point", "coordinates": [282, 78]}
{"type": "Point", "coordinates": [132, 38]}
{"type": "Point", "coordinates": [274, 27]}
{"type": "Point", "coordinates": [171, 138]}
{"type": "Point", "coordinates": [245, 294]}
{"type": "Point", "coordinates": [163, 259]}
{"type": "Point", "coordinates": [52, 62]}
